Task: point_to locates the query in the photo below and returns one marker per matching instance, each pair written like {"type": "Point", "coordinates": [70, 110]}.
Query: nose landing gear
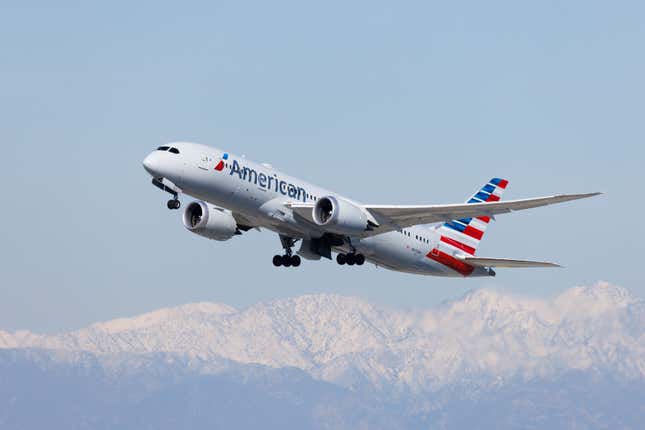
{"type": "Point", "coordinates": [170, 188]}
{"type": "Point", "coordinates": [174, 204]}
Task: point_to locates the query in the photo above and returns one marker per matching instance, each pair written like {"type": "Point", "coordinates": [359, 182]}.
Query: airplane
{"type": "Point", "coordinates": [235, 195]}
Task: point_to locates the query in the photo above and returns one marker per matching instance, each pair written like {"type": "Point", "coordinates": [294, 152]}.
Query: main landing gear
{"type": "Point", "coordinates": [288, 259]}
{"type": "Point", "coordinates": [350, 259]}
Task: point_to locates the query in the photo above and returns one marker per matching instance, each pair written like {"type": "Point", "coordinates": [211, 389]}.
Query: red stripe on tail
{"type": "Point", "coordinates": [458, 245]}
{"type": "Point", "coordinates": [473, 232]}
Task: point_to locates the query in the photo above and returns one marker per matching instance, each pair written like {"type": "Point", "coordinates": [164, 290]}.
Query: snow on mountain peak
{"type": "Point", "coordinates": [347, 340]}
{"type": "Point", "coordinates": [156, 318]}
{"type": "Point", "coordinates": [485, 302]}
{"type": "Point", "coordinates": [591, 301]}
{"type": "Point", "coordinates": [7, 340]}
{"type": "Point", "coordinates": [602, 292]}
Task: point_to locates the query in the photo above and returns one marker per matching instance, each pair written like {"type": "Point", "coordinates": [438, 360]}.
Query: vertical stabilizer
{"type": "Point", "coordinates": [465, 234]}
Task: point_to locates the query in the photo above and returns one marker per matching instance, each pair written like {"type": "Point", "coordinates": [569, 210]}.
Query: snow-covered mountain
{"type": "Point", "coordinates": [483, 339]}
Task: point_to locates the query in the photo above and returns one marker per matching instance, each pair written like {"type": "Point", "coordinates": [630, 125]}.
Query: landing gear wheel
{"type": "Point", "coordinates": [341, 259]}
{"type": "Point", "coordinates": [296, 261]}
{"type": "Point", "coordinates": [277, 261]}
{"type": "Point", "coordinates": [360, 259]}
{"type": "Point", "coordinates": [174, 204]}
{"type": "Point", "coordinates": [351, 259]}
{"type": "Point", "coordinates": [287, 261]}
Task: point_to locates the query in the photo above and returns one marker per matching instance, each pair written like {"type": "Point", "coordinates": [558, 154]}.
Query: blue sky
{"type": "Point", "coordinates": [419, 102]}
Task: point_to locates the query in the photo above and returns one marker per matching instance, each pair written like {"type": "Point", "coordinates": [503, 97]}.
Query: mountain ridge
{"type": "Point", "coordinates": [484, 336]}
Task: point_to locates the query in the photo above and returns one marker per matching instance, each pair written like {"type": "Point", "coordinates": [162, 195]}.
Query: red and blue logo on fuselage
{"type": "Point", "coordinates": [222, 163]}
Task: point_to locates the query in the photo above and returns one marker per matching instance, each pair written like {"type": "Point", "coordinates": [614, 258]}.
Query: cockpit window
{"type": "Point", "coordinates": [163, 148]}
{"type": "Point", "coordinates": [174, 150]}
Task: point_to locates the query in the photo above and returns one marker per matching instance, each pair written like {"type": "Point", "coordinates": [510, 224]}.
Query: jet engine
{"type": "Point", "coordinates": [340, 216]}
{"type": "Point", "coordinates": [210, 222]}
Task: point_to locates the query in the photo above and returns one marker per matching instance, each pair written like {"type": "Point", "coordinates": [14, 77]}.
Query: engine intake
{"type": "Point", "coordinates": [210, 222]}
{"type": "Point", "coordinates": [340, 216]}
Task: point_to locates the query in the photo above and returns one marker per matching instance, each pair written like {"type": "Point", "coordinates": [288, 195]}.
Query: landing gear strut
{"type": "Point", "coordinates": [350, 259]}
{"type": "Point", "coordinates": [170, 188]}
{"type": "Point", "coordinates": [288, 259]}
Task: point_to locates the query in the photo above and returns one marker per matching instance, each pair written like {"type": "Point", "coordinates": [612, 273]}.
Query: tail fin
{"type": "Point", "coordinates": [465, 234]}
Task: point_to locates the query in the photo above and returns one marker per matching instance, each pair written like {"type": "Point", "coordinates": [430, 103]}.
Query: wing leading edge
{"type": "Point", "coordinates": [393, 217]}
{"type": "Point", "coordinates": [396, 217]}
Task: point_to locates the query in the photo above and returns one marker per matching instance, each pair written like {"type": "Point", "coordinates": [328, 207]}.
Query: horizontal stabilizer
{"type": "Point", "coordinates": [504, 262]}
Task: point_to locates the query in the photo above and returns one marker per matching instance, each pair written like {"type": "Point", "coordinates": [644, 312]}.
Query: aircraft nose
{"type": "Point", "coordinates": [151, 164]}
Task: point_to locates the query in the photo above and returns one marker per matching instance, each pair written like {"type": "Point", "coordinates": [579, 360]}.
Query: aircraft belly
{"type": "Point", "coordinates": [392, 251]}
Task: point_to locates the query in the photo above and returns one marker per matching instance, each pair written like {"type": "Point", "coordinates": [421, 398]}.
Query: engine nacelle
{"type": "Point", "coordinates": [340, 216]}
{"type": "Point", "coordinates": [210, 222]}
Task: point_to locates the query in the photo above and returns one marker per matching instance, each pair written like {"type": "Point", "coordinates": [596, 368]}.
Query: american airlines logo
{"type": "Point", "coordinates": [222, 163]}
{"type": "Point", "coordinates": [264, 181]}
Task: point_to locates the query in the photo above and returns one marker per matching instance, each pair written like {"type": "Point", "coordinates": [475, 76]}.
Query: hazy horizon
{"type": "Point", "coordinates": [414, 309]}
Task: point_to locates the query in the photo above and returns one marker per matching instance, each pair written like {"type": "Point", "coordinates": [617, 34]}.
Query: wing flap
{"type": "Point", "coordinates": [505, 262]}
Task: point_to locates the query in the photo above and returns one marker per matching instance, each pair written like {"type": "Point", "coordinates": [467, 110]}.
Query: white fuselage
{"type": "Point", "coordinates": [259, 193]}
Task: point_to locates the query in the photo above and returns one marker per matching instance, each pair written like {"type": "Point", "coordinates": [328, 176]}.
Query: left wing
{"type": "Point", "coordinates": [407, 216]}
{"type": "Point", "coordinates": [391, 218]}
